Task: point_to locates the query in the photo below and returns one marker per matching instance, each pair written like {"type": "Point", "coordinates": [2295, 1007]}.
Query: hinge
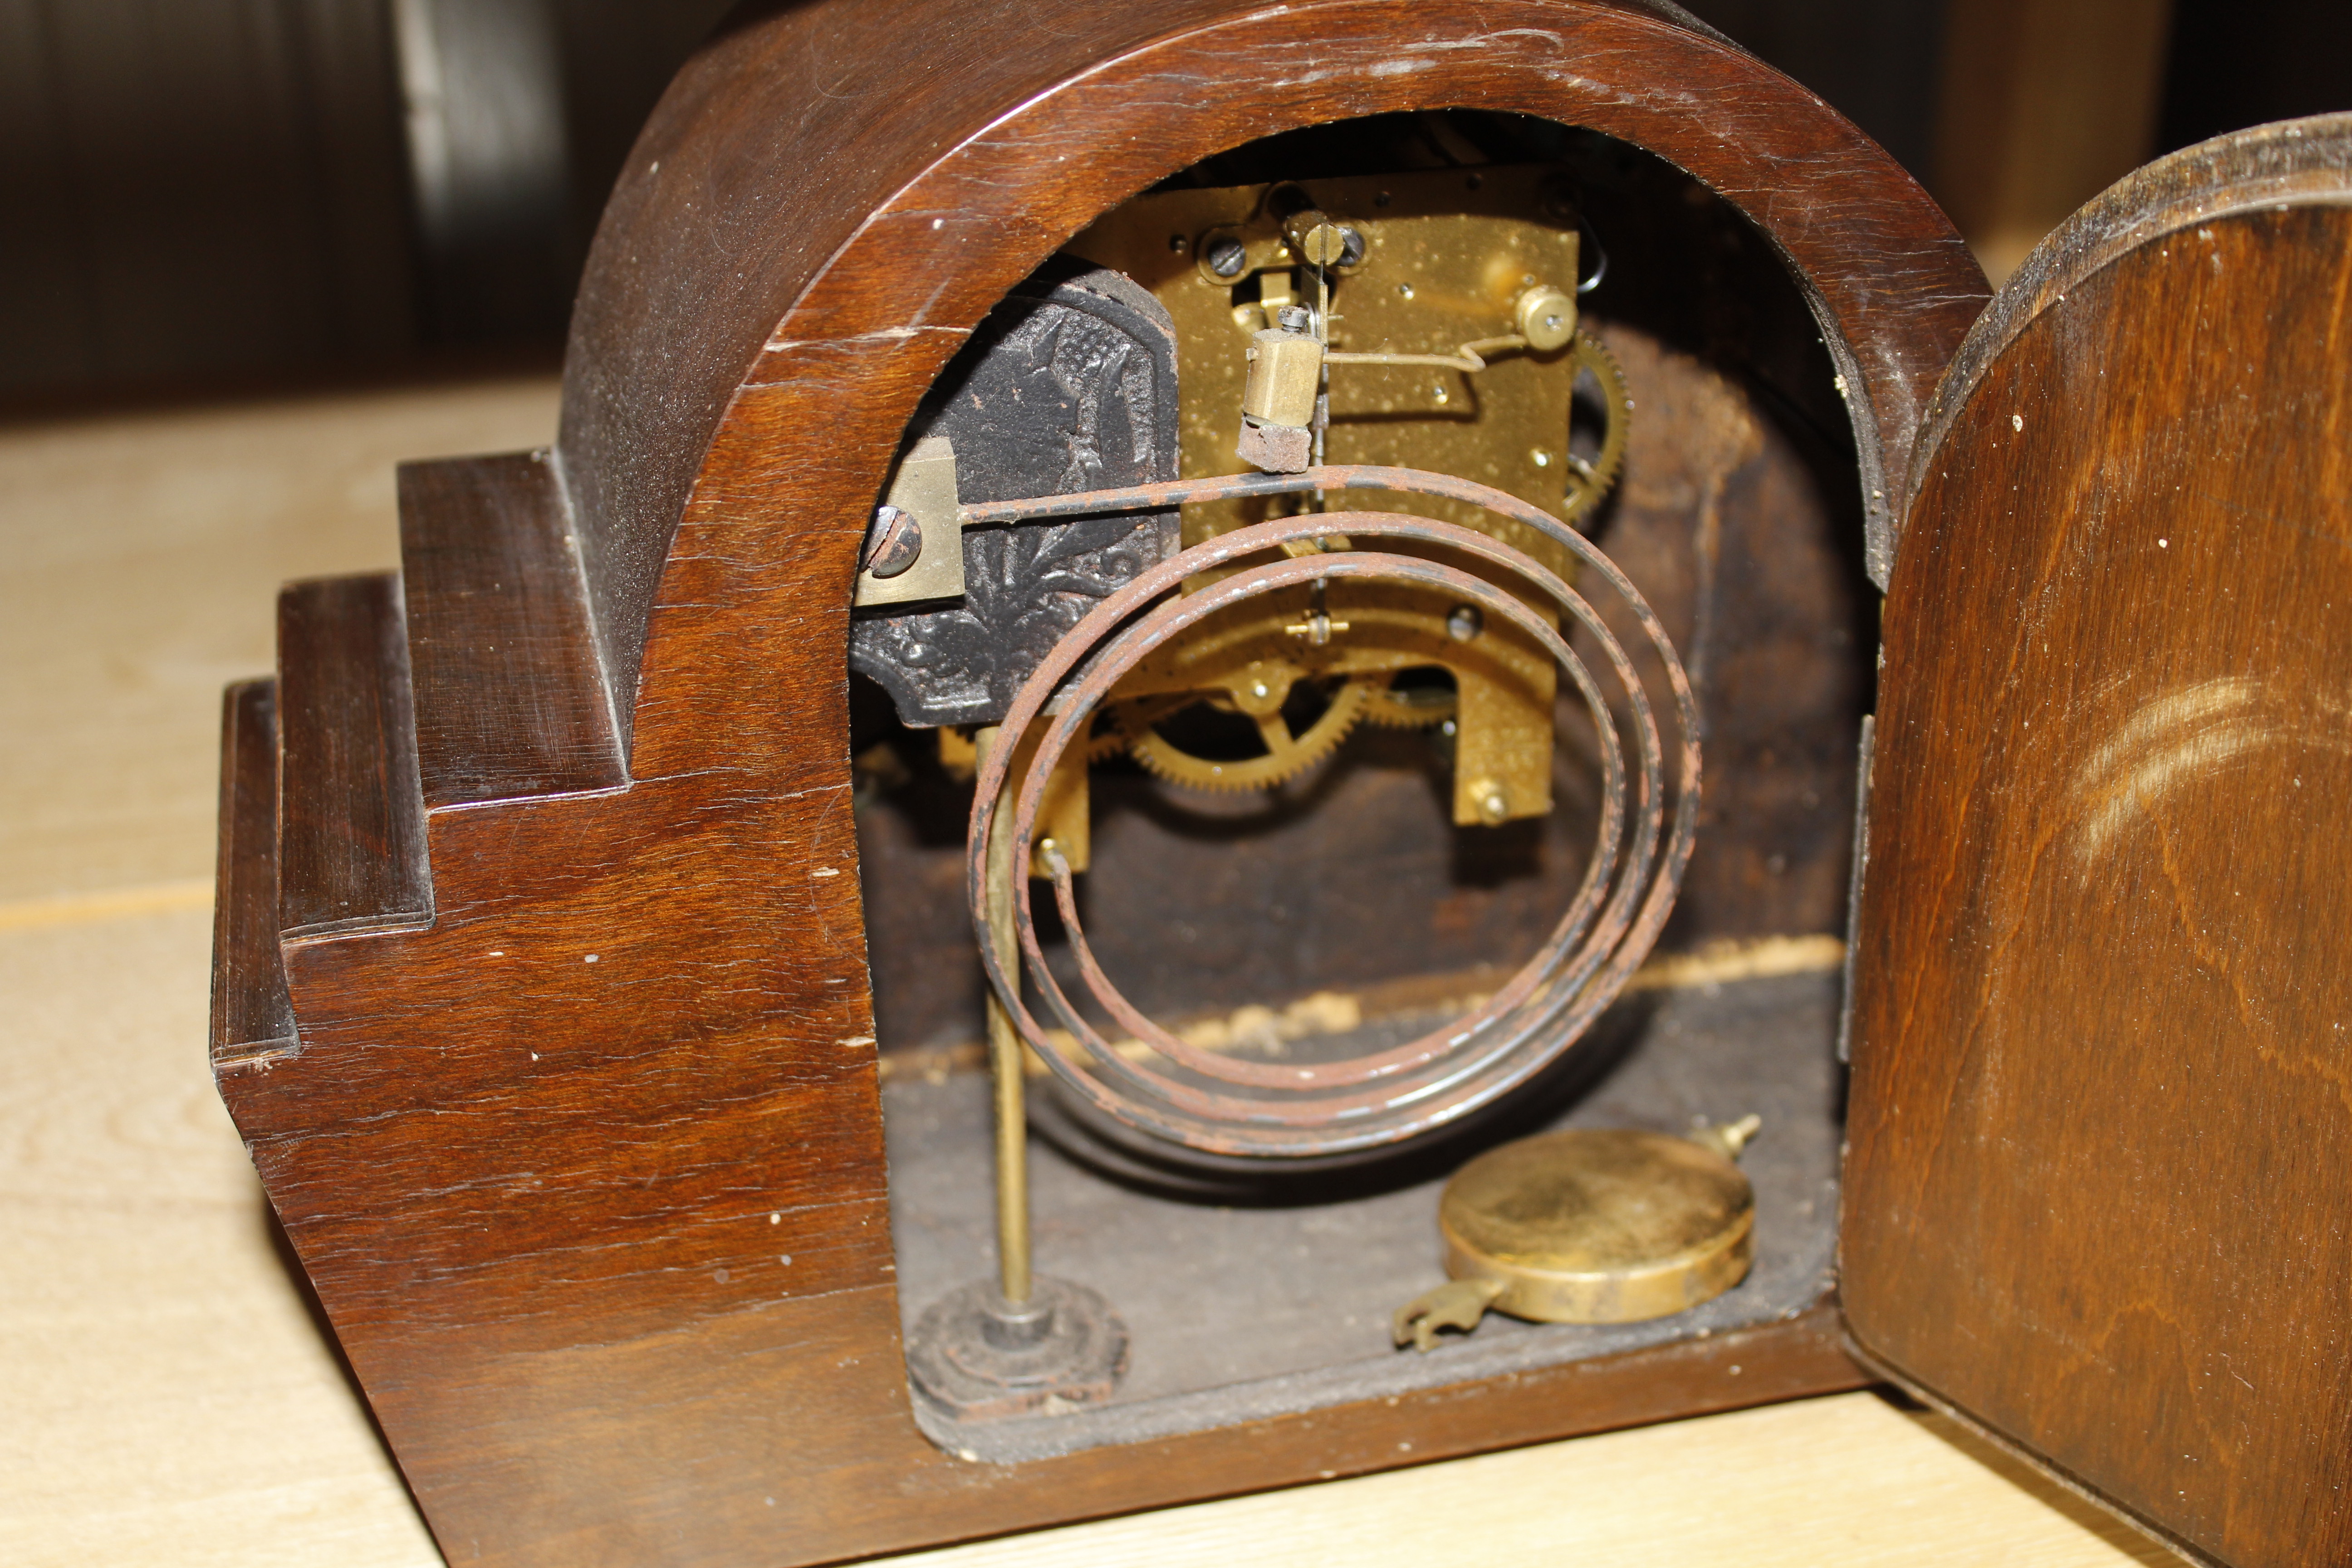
{"type": "Point", "coordinates": [1854, 883]}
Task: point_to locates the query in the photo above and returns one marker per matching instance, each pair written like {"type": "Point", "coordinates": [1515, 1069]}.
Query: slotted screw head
{"type": "Point", "coordinates": [893, 543]}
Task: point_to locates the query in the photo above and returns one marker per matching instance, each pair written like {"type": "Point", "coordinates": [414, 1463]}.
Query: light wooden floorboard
{"type": "Point", "coordinates": [168, 1397]}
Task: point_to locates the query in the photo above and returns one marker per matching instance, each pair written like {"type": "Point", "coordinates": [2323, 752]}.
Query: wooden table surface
{"type": "Point", "coordinates": [167, 1394]}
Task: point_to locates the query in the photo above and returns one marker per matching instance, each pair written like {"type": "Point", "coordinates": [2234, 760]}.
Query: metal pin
{"type": "Point", "coordinates": [1005, 1052]}
{"type": "Point", "coordinates": [1315, 629]}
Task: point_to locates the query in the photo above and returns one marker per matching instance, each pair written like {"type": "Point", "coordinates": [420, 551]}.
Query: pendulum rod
{"type": "Point", "coordinates": [1004, 1055]}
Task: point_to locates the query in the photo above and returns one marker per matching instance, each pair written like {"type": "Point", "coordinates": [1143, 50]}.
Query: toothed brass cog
{"type": "Point", "coordinates": [1589, 481]}
{"type": "Point", "coordinates": [1395, 707]}
{"type": "Point", "coordinates": [1105, 740]}
{"type": "Point", "coordinates": [1287, 755]}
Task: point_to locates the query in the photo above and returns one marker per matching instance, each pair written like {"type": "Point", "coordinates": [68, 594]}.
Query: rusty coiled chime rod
{"type": "Point", "coordinates": [1226, 1105]}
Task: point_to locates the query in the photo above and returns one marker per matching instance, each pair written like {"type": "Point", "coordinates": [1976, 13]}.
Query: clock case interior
{"type": "Point", "coordinates": [1345, 905]}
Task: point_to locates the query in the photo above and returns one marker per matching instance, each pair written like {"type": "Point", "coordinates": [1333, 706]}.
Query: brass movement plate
{"type": "Point", "coordinates": [1445, 255]}
{"type": "Point", "coordinates": [1447, 252]}
{"type": "Point", "coordinates": [1599, 1227]}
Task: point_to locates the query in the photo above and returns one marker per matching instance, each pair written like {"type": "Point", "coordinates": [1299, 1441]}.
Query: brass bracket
{"type": "Point", "coordinates": [924, 488]}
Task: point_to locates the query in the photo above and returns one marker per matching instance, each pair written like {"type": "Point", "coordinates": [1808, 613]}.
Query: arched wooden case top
{"type": "Point", "coordinates": [544, 995]}
{"type": "Point", "coordinates": [2101, 1020]}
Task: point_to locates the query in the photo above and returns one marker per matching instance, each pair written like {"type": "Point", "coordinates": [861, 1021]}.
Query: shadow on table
{"type": "Point", "coordinates": [300, 1280]}
{"type": "Point", "coordinates": [2025, 1477]}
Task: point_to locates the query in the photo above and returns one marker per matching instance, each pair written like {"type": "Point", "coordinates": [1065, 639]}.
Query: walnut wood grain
{"type": "Point", "coordinates": [703, 255]}
{"type": "Point", "coordinates": [510, 695]}
{"type": "Point", "coordinates": [252, 1015]}
{"type": "Point", "coordinates": [350, 815]}
{"type": "Point", "coordinates": [536, 1487]}
{"type": "Point", "coordinates": [2292, 160]}
{"type": "Point", "coordinates": [2103, 1028]}
{"type": "Point", "coordinates": [545, 1159]}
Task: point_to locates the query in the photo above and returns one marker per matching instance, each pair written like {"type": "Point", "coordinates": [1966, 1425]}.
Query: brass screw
{"type": "Point", "coordinates": [893, 543]}
{"type": "Point", "coordinates": [1493, 801]}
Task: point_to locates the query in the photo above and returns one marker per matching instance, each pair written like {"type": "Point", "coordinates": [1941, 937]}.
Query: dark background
{"type": "Point", "coordinates": [201, 197]}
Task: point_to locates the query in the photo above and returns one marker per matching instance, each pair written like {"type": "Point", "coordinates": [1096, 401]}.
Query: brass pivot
{"type": "Point", "coordinates": [1316, 628]}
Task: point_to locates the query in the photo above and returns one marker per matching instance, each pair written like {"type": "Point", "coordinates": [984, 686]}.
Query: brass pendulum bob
{"type": "Point", "coordinates": [1591, 1226]}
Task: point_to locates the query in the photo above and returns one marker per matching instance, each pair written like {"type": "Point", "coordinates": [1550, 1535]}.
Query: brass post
{"type": "Point", "coordinates": [1004, 1056]}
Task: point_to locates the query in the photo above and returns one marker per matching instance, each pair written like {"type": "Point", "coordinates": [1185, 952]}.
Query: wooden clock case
{"type": "Point", "coordinates": [542, 988]}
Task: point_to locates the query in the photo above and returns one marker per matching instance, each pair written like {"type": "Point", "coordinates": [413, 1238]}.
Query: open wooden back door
{"type": "Point", "coordinates": [2099, 1186]}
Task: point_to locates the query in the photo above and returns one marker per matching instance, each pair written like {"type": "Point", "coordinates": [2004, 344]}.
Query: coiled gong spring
{"type": "Point", "coordinates": [1224, 1104]}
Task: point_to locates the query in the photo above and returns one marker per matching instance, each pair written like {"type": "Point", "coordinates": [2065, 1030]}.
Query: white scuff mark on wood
{"type": "Point", "coordinates": [854, 1041]}
{"type": "Point", "coordinates": [2178, 739]}
{"type": "Point", "coordinates": [824, 871]}
{"type": "Point", "coordinates": [780, 343]}
{"type": "Point", "coordinates": [1484, 41]}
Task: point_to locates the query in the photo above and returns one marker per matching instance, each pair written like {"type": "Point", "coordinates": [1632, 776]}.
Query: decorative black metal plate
{"type": "Point", "coordinates": [1070, 384]}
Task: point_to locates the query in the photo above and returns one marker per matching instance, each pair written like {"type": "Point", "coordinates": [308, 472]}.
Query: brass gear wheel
{"type": "Point", "coordinates": [1286, 757]}
{"type": "Point", "coordinates": [1105, 739]}
{"type": "Point", "coordinates": [1588, 482]}
{"type": "Point", "coordinates": [1406, 708]}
